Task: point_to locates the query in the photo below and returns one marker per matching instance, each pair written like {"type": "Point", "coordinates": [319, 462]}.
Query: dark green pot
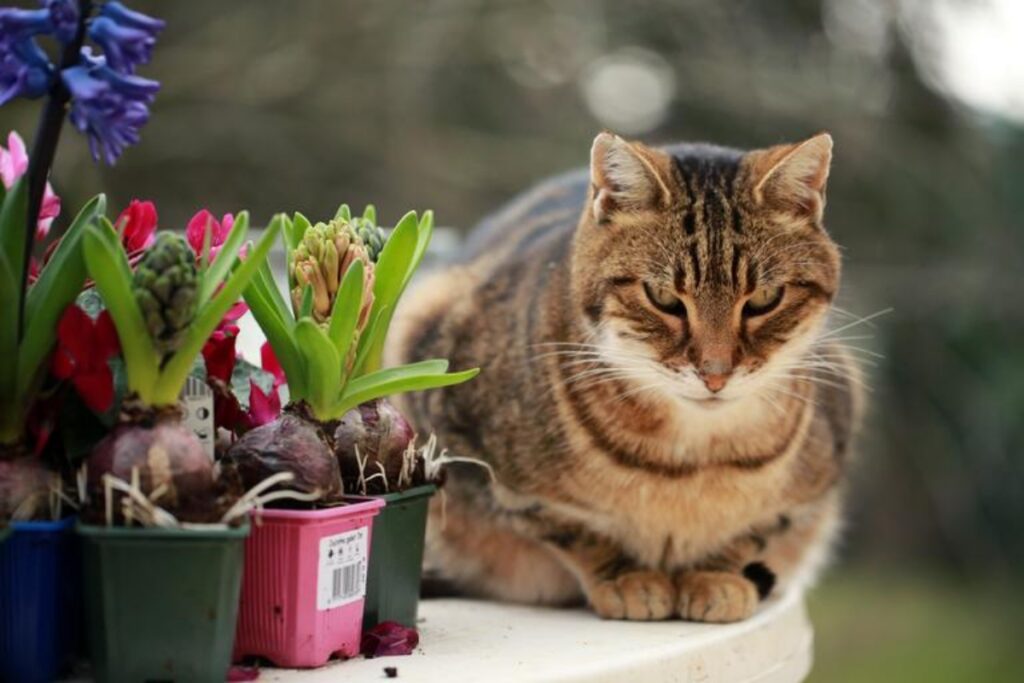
{"type": "Point", "coordinates": [161, 604]}
{"type": "Point", "coordinates": [396, 557]}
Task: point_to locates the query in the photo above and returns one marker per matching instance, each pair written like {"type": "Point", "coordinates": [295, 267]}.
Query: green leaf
{"type": "Point", "coordinates": [265, 277]}
{"type": "Point", "coordinates": [176, 370]}
{"type": "Point", "coordinates": [306, 307]}
{"type": "Point", "coordinates": [370, 214]}
{"type": "Point", "coordinates": [424, 233]}
{"type": "Point", "coordinates": [300, 224]}
{"type": "Point", "coordinates": [345, 315]}
{"type": "Point", "coordinates": [9, 290]}
{"type": "Point", "coordinates": [390, 381]}
{"type": "Point", "coordinates": [323, 367]}
{"type": "Point", "coordinates": [277, 325]}
{"type": "Point", "coordinates": [392, 272]}
{"type": "Point", "coordinates": [344, 213]}
{"type": "Point", "coordinates": [59, 284]}
{"type": "Point", "coordinates": [108, 266]}
{"type": "Point", "coordinates": [367, 339]}
{"type": "Point", "coordinates": [226, 258]}
{"type": "Point", "coordinates": [13, 215]}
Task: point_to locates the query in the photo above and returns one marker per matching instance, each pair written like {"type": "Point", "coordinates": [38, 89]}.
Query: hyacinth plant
{"type": "Point", "coordinates": [164, 312]}
{"type": "Point", "coordinates": [109, 103]}
{"type": "Point", "coordinates": [345, 280]}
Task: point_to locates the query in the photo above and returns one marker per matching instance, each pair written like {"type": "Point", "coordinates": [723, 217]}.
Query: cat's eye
{"type": "Point", "coordinates": [665, 299]}
{"type": "Point", "coordinates": [763, 300]}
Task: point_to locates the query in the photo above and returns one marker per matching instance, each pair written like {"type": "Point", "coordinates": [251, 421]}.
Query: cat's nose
{"type": "Point", "coordinates": [715, 373]}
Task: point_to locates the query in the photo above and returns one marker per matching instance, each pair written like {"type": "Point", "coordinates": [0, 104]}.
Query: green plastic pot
{"type": "Point", "coordinates": [396, 557]}
{"type": "Point", "coordinates": [161, 604]}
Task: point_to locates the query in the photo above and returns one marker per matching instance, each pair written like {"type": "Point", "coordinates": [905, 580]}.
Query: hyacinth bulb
{"type": "Point", "coordinates": [320, 263]}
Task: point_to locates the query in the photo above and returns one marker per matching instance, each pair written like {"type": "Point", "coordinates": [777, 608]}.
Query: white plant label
{"type": "Point", "coordinates": [341, 577]}
{"type": "Point", "coordinates": [197, 398]}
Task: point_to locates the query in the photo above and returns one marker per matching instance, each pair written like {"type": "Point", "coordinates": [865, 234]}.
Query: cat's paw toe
{"type": "Point", "coordinates": [716, 597]}
{"type": "Point", "coordinates": [637, 596]}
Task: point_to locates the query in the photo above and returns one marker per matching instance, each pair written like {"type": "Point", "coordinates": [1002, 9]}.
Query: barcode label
{"type": "Point", "coordinates": [346, 582]}
{"type": "Point", "coordinates": [342, 569]}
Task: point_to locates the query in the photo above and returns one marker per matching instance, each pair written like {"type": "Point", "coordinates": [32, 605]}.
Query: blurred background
{"type": "Point", "coordinates": [456, 105]}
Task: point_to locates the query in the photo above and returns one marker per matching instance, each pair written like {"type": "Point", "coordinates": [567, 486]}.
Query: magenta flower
{"type": "Point", "coordinates": [13, 165]}
{"type": "Point", "coordinates": [269, 362]}
{"type": "Point", "coordinates": [203, 223]}
{"type": "Point", "coordinates": [263, 408]}
{"type": "Point", "coordinates": [137, 225]}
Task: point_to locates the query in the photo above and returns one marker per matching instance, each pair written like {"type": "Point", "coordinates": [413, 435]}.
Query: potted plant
{"type": "Point", "coordinates": [305, 574]}
{"type": "Point", "coordinates": [155, 511]}
{"type": "Point", "coordinates": [39, 592]}
{"type": "Point", "coordinates": [405, 480]}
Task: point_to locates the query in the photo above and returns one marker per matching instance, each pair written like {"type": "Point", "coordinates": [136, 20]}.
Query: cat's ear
{"type": "Point", "coordinates": [792, 178]}
{"type": "Point", "coordinates": [626, 176]}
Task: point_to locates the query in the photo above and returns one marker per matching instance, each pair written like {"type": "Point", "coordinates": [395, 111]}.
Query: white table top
{"type": "Point", "coordinates": [482, 642]}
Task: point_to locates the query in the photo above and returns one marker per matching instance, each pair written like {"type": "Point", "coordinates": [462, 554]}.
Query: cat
{"type": "Point", "coordinates": [665, 421]}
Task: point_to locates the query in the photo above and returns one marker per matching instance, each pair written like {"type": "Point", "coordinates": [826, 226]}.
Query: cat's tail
{"type": "Point", "coordinates": [434, 585]}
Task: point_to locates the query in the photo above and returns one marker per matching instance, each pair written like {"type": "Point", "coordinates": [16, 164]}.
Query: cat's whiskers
{"type": "Point", "coordinates": [860, 321]}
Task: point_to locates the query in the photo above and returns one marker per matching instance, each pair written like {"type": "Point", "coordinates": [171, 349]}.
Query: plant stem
{"type": "Point", "coordinates": [44, 148]}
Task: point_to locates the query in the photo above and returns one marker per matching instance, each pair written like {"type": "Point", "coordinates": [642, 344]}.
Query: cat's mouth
{"type": "Point", "coordinates": [712, 401]}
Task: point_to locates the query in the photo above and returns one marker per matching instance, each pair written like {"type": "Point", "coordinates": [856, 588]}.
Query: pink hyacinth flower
{"type": "Point", "coordinates": [13, 165]}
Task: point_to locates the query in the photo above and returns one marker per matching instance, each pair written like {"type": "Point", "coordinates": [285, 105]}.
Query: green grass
{"type": "Point", "coordinates": [880, 627]}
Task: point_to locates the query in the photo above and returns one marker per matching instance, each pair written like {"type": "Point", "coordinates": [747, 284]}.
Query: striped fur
{"type": "Point", "coordinates": [655, 459]}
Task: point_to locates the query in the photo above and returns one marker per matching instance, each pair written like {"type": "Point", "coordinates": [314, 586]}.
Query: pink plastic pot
{"type": "Point", "coordinates": [304, 584]}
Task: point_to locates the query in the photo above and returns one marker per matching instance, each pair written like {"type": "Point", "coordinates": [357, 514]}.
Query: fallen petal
{"type": "Point", "coordinates": [389, 639]}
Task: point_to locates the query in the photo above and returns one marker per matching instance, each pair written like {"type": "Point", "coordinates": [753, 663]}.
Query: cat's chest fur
{"type": "Point", "coordinates": [671, 521]}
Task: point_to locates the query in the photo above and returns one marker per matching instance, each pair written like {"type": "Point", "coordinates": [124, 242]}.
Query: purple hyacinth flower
{"type": "Point", "coordinates": [124, 47]}
{"type": "Point", "coordinates": [17, 24]}
{"type": "Point", "coordinates": [110, 108]}
{"type": "Point", "coordinates": [24, 70]}
{"type": "Point", "coordinates": [131, 18]}
{"type": "Point", "coordinates": [63, 19]}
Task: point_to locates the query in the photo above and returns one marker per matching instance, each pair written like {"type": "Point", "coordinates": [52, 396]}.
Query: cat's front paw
{"type": "Point", "coordinates": [637, 596]}
{"type": "Point", "coordinates": [716, 597]}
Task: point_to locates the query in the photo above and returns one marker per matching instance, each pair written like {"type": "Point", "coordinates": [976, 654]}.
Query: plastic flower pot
{"type": "Point", "coordinates": [304, 584]}
{"type": "Point", "coordinates": [40, 610]}
{"type": "Point", "coordinates": [161, 604]}
{"type": "Point", "coordinates": [396, 557]}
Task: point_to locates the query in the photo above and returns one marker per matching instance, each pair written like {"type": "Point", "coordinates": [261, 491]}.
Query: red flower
{"type": "Point", "coordinates": [263, 408]}
{"type": "Point", "coordinates": [203, 223]}
{"type": "Point", "coordinates": [389, 638]}
{"type": "Point", "coordinates": [83, 347]}
{"type": "Point", "coordinates": [219, 353]}
{"type": "Point", "coordinates": [234, 313]}
{"type": "Point", "coordinates": [137, 225]}
{"type": "Point", "coordinates": [269, 362]}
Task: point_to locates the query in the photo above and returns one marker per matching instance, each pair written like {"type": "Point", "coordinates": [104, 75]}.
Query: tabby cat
{"type": "Point", "coordinates": [665, 419]}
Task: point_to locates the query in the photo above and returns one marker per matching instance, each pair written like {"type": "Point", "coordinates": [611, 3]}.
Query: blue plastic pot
{"type": "Point", "coordinates": [40, 601]}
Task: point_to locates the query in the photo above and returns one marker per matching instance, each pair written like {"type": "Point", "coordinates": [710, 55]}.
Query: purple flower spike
{"type": "Point", "coordinates": [123, 46]}
{"type": "Point", "coordinates": [63, 19]}
{"type": "Point", "coordinates": [24, 71]}
{"type": "Point", "coordinates": [110, 108]}
{"type": "Point", "coordinates": [132, 19]}
{"type": "Point", "coordinates": [17, 24]}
